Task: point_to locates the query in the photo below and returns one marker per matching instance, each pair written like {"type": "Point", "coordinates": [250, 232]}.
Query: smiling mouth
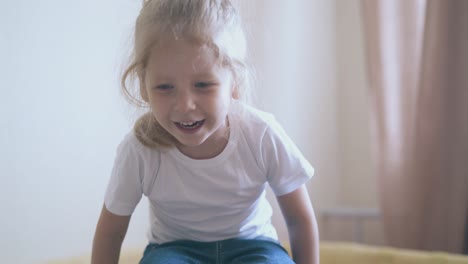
{"type": "Point", "coordinates": [189, 125]}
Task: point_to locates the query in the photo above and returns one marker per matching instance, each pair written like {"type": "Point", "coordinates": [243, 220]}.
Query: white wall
{"type": "Point", "coordinates": [63, 115]}
{"type": "Point", "coordinates": [62, 118]}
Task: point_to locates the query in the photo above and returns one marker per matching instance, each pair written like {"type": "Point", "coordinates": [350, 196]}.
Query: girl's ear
{"type": "Point", "coordinates": [235, 90]}
{"type": "Point", "coordinates": [143, 92]}
{"type": "Point", "coordinates": [235, 93]}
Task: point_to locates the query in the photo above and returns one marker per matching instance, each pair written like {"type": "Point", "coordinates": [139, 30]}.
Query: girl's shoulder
{"type": "Point", "coordinates": [257, 125]}
{"type": "Point", "coordinates": [130, 143]}
{"type": "Point", "coordinates": [262, 125]}
{"type": "Point", "coordinates": [138, 160]}
{"type": "Point", "coordinates": [250, 116]}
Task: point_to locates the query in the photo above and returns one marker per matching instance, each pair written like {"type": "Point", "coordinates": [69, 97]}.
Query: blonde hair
{"type": "Point", "coordinates": [214, 23]}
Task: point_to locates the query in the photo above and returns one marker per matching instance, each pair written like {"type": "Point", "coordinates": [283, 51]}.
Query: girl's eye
{"type": "Point", "coordinates": [203, 84]}
{"type": "Point", "coordinates": [164, 87]}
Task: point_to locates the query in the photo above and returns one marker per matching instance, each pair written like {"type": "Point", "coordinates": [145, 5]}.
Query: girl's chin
{"type": "Point", "coordinates": [190, 140]}
{"type": "Point", "coordinates": [190, 149]}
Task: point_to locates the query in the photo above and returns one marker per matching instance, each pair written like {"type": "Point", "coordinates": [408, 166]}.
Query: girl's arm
{"type": "Point", "coordinates": [302, 226]}
{"type": "Point", "coordinates": [110, 232]}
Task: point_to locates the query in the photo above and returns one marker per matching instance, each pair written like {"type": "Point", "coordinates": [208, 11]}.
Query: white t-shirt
{"type": "Point", "coordinates": [212, 199]}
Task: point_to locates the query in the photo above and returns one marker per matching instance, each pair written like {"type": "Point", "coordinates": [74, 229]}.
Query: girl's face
{"type": "Point", "coordinates": [189, 94]}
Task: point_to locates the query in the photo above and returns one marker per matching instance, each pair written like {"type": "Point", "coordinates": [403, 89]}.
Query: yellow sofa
{"type": "Point", "coordinates": [351, 253]}
{"type": "Point", "coordinates": [333, 253]}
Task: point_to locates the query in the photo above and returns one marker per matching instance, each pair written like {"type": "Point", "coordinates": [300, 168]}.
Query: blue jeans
{"type": "Point", "coordinates": [235, 251]}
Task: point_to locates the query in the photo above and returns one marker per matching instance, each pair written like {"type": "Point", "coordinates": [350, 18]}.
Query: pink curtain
{"type": "Point", "coordinates": [417, 54]}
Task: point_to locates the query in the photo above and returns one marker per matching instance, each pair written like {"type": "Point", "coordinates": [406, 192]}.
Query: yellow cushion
{"type": "Point", "coordinates": [349, 253]}
{"type": "Point", "coordinates": [331, 253]}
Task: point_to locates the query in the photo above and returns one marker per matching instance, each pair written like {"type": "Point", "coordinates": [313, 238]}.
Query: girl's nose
{"type": "Point", "coordinates": [185, 101]}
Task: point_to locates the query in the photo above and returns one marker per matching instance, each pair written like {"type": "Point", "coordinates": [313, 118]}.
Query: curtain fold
{"type": "Point", "coordinates": [417, 58]}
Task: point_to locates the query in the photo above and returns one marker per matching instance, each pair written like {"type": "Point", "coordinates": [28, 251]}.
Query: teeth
{"type": "Point", "coordinates": [188, 123]}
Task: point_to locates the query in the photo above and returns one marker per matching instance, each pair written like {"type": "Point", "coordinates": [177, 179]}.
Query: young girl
{"type": "Point", "coordinates": [201, 155]}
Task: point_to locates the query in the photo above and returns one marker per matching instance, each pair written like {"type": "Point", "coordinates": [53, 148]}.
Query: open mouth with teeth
{"type": "Point", "coordinates": [189, 125]}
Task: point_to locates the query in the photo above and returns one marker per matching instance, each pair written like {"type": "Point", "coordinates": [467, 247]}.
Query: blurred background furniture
{"type": "Point", "coordinates": [352, 247]}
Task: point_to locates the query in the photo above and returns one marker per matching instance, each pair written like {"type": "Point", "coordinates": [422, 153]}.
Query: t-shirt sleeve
{"type": "Point", "coordinates": [125, 190]}
{"type": "Point", "coordinates": [286, 167]}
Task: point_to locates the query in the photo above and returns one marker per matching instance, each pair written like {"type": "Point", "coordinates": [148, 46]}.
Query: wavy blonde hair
{"type": "Point", "coordinates": [214, 23]}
